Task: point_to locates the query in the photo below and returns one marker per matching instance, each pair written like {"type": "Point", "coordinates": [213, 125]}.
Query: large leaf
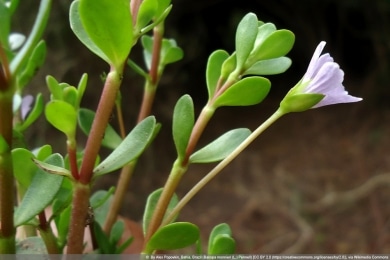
{"type": "Point", "coordinates": [220, 147]}
{"type": "Point", "coordinates": [173, 236]}
{"type": "Point", "coordinates": [111, 138]}
{"type": "Point", "coordinates": [130, 148]}
{"type": "Point", "coordinates": [151, 205]}
{"type": "Point", "coordinates": [246, 92]}
{"type": "Point", "coordinates": [213, 70]}
{"type": "Point", "coordinates": [183, 122]}
{"type": "Point", "coordinates": [245, 38]}
{"type": "Point", "coordinates": [40, 193]}
{"type": "Point", "coordinates": [108, 24]}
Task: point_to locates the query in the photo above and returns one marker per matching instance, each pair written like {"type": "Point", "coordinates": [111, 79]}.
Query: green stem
{"type": "Point", "coordinates": [217, 169]}
{"type": "Point", "coordinates": [47, 235]}
{"type": "Point", "coordinates": [163, 202]}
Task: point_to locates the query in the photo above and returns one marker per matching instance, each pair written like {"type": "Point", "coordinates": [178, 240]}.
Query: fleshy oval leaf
{"type": "Point", "coordinates": [245, 38]}
{"type": "Point", "coordinates": [277, 44]}
{"type": "Point", "coordinates": [40, 193]}
{"type": "Point", "coordinates": [62, 116]}
{"type": "Point", "coordinates": [151, 205]}
{"type": "Point", "coordinates": [130, 148]}
{"type": "Point", "coordinates": [220, 147]}
{"type": "Point", "coordinates": [269, 67]}
{"type": "Point", "coordinates": [111, 138]}
{"type": "Point", "coordinates": [109, 25]}
{"type": "Point", "coordinates": [173, 236]}
{"type": "Point", "coordinates": [183, 122]}
{"type": "Point", "coordinates": [246, 92]}
{"type": "Point", "coordinates": [213, 70]}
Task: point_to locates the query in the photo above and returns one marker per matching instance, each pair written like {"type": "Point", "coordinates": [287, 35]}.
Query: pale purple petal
{"type": "Point", "coordinates": [26, 105]}
{"type": "Point", "coordinates": [325, 77]}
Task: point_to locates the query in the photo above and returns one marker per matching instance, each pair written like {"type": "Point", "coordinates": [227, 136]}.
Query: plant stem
{"type": "Point", "coordinates": [72, 153]}
{"type": "Point", "coordinates": [217, 169]}
{"type": "Point", "coordinates": [79, 214]}
{"type": "Point", "coordinates": [103, 112]}
{"type": "Point", "coordinates": [7, 200]}
{"type": "Point", "coordinates": [201, 123]}
{"type": "Point", "coordinates": [169, 189]}
{"type": "Point", "coordinates": [81, 194]}
{"type": "Point", "coordinates": [47, 235]}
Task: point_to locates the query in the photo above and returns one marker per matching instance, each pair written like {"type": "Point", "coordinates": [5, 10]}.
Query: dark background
{"type": "Point", "coordinates": [300, 159]}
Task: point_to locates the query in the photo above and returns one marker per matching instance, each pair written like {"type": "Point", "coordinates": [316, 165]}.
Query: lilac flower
{"type": "Point", "coordinates": [321, 85]}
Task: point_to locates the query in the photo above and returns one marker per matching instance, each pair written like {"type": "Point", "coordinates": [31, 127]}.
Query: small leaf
{"type": "Point", "coordinates": [70, 96]}
{"type": "Point", "coordinates": [245, 38]}
{"type": "Point", "coordinates": [52, 169]}
{"type": "Point", "coordinates": [111, 138]}
{"type": "Point", "coordinates": [173, 236]}
{"type": "Point", "coordinates": [151, 205]}
{"type": "Point", "coordinates": [40, 193]}
{"type": "Point", "coordinates": [246, 92]}
{"type": "Point", "coordinates": [146, 12]}
{"type": "Point", "coordinates": [54, 87]}
{"type": "Point", "coordinates": [31, 246]}
{"type": "Point", "coordinates": [43, 152]}
{"type": "Point", "coordinates": [34, 62]}
{"type": "Point", "coordinates": [220, 240]}
{"type": "Point", "coordinates": [278, 44]}
{"type": "Point", "coordinates": [222, 245]}
{"type": "Point", "coordinates": [170, 52]}
{"type": "Point", "coordinates": [62, 116]}
{"type": "Point", "coordinates": [130, 148]}
{"type": "Point", "coordinates": [103, 241]}
{"type": "Point", "coordinates": [220, 147]}
{"type": "Point", "coordinates": [213, 70]}
{"type": "Point", "coordinates": [264, 31]}
{"type": "Point", "coordinates": [81, 88]}
{"type": "Point", "coordinates": [183, 122]}
{"type": "Point", "coordinates": [269, 67]}
{"type": "Point", "coordinates": [23, 172]}
{"type": "Point", "coordinates": [109, 26]}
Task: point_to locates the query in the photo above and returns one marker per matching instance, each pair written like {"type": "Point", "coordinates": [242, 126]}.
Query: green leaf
{"type": "Point", "coordinates": [183, 122]}
{"type": "Point", "coordinates": [62, 116]}
{"type": "Point", "coordinates": [43, 152]}
{"type": "Point", "coordinates": [52, 169]}
{"type": "Point", "coordinates": [220, 147]}
{"type": "Point", "coordinates": [108, 24]}
{"type": "Point", "coordinates": [54, 87]}
{"type": "Point", "coordinates": [162, 6]}
{"type": "Point", "coordinates": [213, 70]}
{"type": "Point", "coordinates": [269, 67]}
{"type": "Point", "coordinates": [228, 66]}
{"type": "Point", "coordinates": [245, 38]}
{"type": "Point", "coordinates": [151, 205]}
{"type": "Point", "coordinates": [79, 30]}
{"type": "Point", "coordinates": [40, 193]}
{"type": "Point", "coordinates": [130, 148]}
{"type": "Point", "coordinates": [264, 31]}
{"type": "Point", "coordinates": [146, 12]}
{"type": "Point", "coordinates": [5, 24]}
{"type": "Point", "coordinates": [277, 44]}
{"type": "Point", "coordinates": [103, 241]}
{"type": "Point", "coordinates": [111, 138]}
{"type": "Point", "coordinates": [20, 60]}
{"type": "Point", "coordinates": [246, 92]}
{"type": "Point", "coordinates": [221, 241]}
{"type": "Point", "coordinates": [31, 246]}
{"type": "Point", "coordinates": [34, 62]}
{"type": "Point", "coordinates": [81, 88]}
{"type": "Point", "coordinates": [23, 172]}
{"type": "Point", "coordinates": [100, 201]}
{"type": "Point", "coordinates": [35, 112]}
{"type": "Point", "coordinates": [223, 245]}
{"type": "Point", "coordinates": [173, 236]}
{"type": "Point", "coordinates": [170, 52]}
